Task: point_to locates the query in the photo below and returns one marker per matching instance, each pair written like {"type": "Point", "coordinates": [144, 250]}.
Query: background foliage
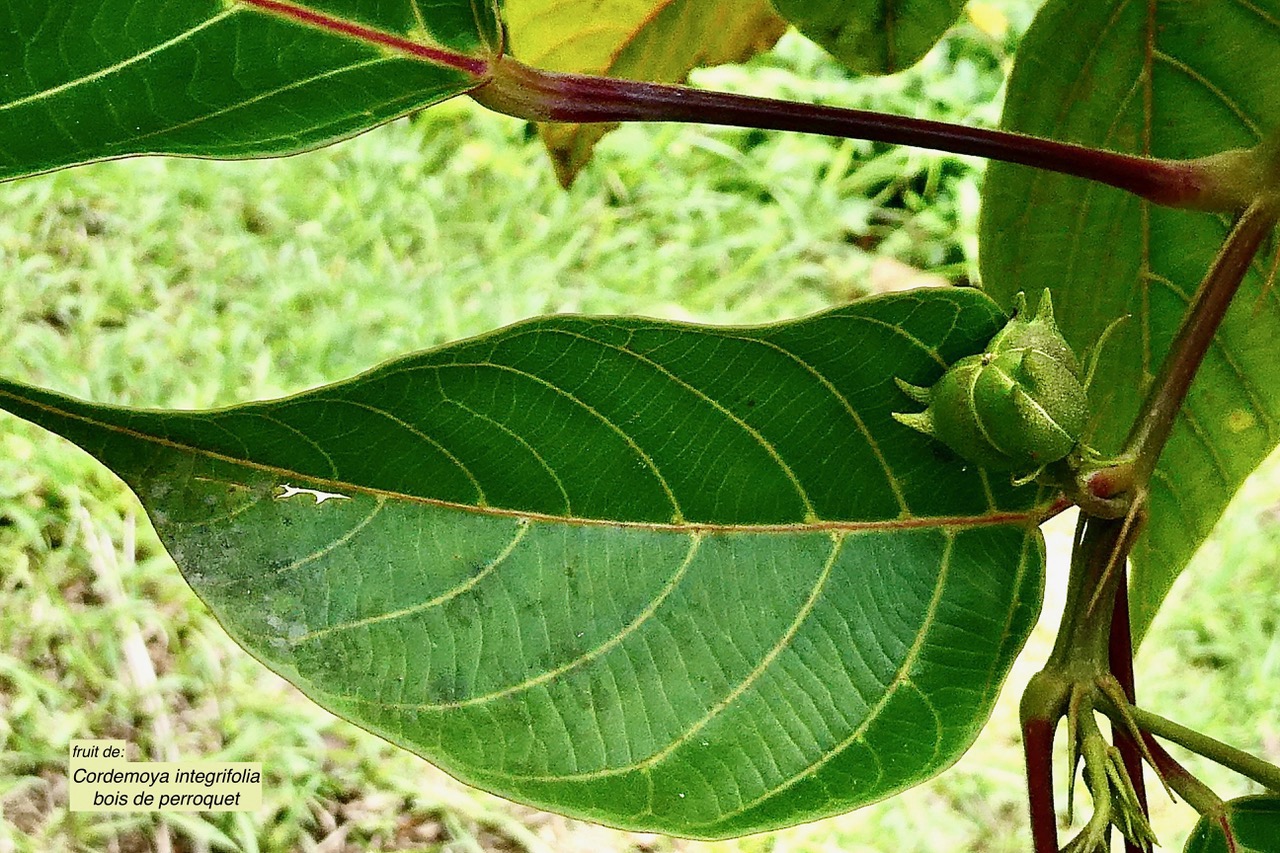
{"type": "Point", "coordinates": [196, 284]}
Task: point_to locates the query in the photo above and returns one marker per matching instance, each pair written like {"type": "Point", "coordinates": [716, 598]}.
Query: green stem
{"type": "Point", "coordinates": [536, 95]}
{"type": "Point", "coordinates": [1196, 793]}
{"type": "Point", "coordinates": [1082, 648]}
{"type": "Point", "coordinates": [1079, 657]}
{"type": "Point", "coordinates": [1262, 772]}
{"type": "Point", "coordinates": [1096, 832]}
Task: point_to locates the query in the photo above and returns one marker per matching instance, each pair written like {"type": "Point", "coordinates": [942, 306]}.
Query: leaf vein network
{"type": "Point", "coordinates": [108, 70]}
{"type": "Point", "coordinates": [1212, 88]}
{"type": "Point", "coordinates": [782, 644]}
{"type": "Point", "coordinates": [719, 407]}
{"type": "Point", "coordinates": [417, 433]}
{"type": "Point", "coordinates": [264, 96]}
{"type": "Point", "coordinates": [599, 651]}
{"type": "Point", "coordinates": [859, 424]}
{"type": "Point", "coordinates": [421, 607]}
{"type": "Point", "coordinates": [678, 514]}
{"type": "Point", "coordinates": [902, 678]}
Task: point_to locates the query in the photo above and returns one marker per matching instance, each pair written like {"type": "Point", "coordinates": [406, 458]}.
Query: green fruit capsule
{"type": "Point", "coordinates": [1016, 407]}
{"type": "Point", "coordinates": [1040, 333]}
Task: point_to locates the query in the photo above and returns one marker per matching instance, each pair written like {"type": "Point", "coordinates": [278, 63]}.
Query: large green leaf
{"type": "Point", "coordinates": [656, 40]}
{"type": "Point", "coordinates": [1171, 79]}
{"type": "Point", "coordinates": [1254, 821]}
{"type": "Point", "coordinates": [684, 579]}
{"type": "Point", "coordinates": [873, 36]}
{"type": "Point", "coordinates": [85, 80]}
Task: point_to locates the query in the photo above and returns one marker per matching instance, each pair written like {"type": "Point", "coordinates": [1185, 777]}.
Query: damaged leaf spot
{"type": "Point", "coordinates": [321, 497]}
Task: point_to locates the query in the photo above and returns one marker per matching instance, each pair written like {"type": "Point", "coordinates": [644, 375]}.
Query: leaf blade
{"type": "Point", "coordinates": [657, 659]}
{"type": "Point", "coordinates": [873, 36]}
{"type": "Point", "coordinates": [1254, 822]}
{"type": "Point", "coordinates": [212, 79]}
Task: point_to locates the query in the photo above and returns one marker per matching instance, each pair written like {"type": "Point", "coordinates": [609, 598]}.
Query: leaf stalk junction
{"type": "Point", "coordinates": [1091, 666]}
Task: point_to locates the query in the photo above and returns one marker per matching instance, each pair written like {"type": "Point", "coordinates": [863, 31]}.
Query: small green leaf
{"type": "Point", "coordinates": [655, 40]}
{"type": "Point", "coordinates": [85, 80]}
{"type": "Point", "coordinates": [873, 36]}
{"type": "Point", "coordinates": [1254, 821]}
{"type": "Point", "coordinates": [1169, 79]}
{"type": "Point", "coordinates": [682, 579]}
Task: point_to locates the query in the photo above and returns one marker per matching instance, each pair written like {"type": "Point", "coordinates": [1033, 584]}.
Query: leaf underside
{"type": "Point", "coordinates": [873, 36]}
{"type": "Point", "coordinates": [666, 577]}
{"type": "Point", "coordinates": [86, 81]}
{"type": "Point", "coordinates": [1173, 80]}
{"type": "Point", "coordinates": [1254, 821]}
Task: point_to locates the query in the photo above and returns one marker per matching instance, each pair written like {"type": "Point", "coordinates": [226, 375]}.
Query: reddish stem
{"type": "Point", "coordinates": [1208, 309]}
{"type": "Point", "coordinates": [510, 87]}
{"type": "Point", "coordinates": [1037, 744]}
{"type": "Point", "coordinates": [1120, 653]}
{"type": "Point", "coordinates": [1166, 765]}
{"type": "Point", "coordinates": [437, 56]}
{"type": "Point", "coordinates": [1182, 780]}
{"type": "Point", "coordinates": [538, 95]}
{"type": "Point", "coordinates": [1057, 508]}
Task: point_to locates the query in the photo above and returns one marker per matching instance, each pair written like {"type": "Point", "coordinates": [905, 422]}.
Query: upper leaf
{"type": "Point", "coordinates": [1170, 80]}
{"type": "Point", "coordinates": [655, 40]}
{"type": "Point", "coordinates": [82, 81]}
{"type": "Point", "coordinates": [873, 36]}
{"type": "Point", "coordinates": [682, 579]}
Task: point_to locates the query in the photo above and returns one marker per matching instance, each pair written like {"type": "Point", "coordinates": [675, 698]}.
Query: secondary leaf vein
{"type": "Point", "coordinates": [121, 65]}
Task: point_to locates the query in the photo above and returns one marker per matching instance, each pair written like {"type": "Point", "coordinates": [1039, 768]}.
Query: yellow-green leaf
{"type": "Point", "coordinates": [632, 39]}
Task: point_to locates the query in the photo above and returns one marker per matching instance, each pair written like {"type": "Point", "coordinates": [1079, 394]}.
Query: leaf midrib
{"type": "Point", "coordinates": [1032, 516]}
{"type": "Point", "coordinates": [433, 54]}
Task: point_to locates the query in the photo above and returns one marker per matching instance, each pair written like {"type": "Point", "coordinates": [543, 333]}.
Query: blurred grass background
{"type": "Point", "coordinates": [194, 284]}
